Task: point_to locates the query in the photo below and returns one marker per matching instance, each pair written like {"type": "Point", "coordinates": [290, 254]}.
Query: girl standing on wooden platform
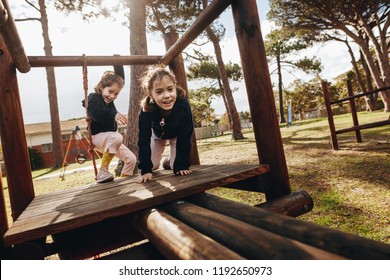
{"type": "Point", "coordinates": [165, 116]}
{"type": "Point", "coordinates": [104, 124]}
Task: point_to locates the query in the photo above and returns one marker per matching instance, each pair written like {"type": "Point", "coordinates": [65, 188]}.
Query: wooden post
{"type": "Point", "coordinates": [3, 217]}
{"type": "Point", "coordinates": [13, 137]}
{"type": "Point", "coordinates": [177, 67]}
{"type": "Point", "coordinates": [333, 136]}
{"type": "Point", "coordinates": [260, 95]}
{"type": "Point", "coordinates": [11, 38]}
{"type": "Point", "coordinates": [355, 120]}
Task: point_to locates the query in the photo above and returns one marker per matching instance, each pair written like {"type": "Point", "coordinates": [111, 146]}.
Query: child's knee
{"type": "Point", "coordinates": [130, 158]}
{"type": "Point", "coordinates": [130, 161]}
{"type": "Point", "coordinates": [114, 142]}
{"type": "Point", "coordinates": [117, 138]}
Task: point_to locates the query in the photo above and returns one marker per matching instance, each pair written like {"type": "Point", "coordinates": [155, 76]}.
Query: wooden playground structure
{"type": "Point", "coordinates": [356, 126]}
{"type": "Point", "coordinates": [171, 217]}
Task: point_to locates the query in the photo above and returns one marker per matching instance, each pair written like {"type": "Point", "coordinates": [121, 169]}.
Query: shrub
{"type": "Point", "coordinates": [35, 159]}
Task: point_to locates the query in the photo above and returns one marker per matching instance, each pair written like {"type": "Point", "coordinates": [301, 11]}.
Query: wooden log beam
{"type": "Point", "coordinates": [293, 204]}
{"type": "Point", "coordinates": [13, 137]}
{"type": "Point", "coordinates": [329, 114]}
{"type": "Point", "coordinates": [176, 240]}
{"type": "Point", "coordinates": [68, 61]}
{"type": "Point", "coordinates": [11, 38]}
{"type": "Point", "coordinates": [355, 119]}
{"type": "Point", "coordinates": [359, 95]}
{"type": "Point", "coordinates": [247, 240]}
{"type": "Point", "coordinates": [260, 95]}
{"type": "Point", "coordinates": [344, 244]}
{"type": "Point", "coordinates": [363, 126]}
{"type": "Point", "coordinates": [213, 10]}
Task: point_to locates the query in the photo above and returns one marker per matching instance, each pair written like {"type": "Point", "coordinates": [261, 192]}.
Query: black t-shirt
{"type": "Point", "coordinates": [102, 114]}
{"type": "Point", "coordinates": [178, 125]}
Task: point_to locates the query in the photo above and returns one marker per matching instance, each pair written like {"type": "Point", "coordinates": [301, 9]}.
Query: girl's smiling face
{"type": "Point", "coordinates": [110, 93]}
{"type": "Point", "coordinates": [164, 93]}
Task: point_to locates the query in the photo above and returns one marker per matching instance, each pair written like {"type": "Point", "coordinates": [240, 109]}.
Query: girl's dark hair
{"type": "Point", "coordinates": [151, 76]}
{"type": "Point", "coordinates": [108, 79]}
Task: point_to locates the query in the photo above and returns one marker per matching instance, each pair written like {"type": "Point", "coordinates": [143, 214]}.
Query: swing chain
{"type": "Point", "coordinates": [88, 119]}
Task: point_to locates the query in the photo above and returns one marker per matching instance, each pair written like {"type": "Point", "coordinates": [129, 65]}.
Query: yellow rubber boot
{"type": "Point", "coordinates": [104, 175]}
{"type": "Point", "coordinates": [106, 160]}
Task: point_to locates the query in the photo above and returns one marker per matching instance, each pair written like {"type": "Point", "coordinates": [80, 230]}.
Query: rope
{"type": "Point", "coordinates": [88, 119]}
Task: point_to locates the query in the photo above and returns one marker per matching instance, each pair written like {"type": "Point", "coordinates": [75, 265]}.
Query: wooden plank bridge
{"type": "Point", "coordinates": [60, 211]}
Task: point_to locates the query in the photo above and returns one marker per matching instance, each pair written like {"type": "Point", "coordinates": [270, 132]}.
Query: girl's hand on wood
{"type": "Point", "coordinates": [144, 178]}
{"type": "Point", "coordinates": [184, 172]}
{"type": "Point", "coordinates": [120, 118]}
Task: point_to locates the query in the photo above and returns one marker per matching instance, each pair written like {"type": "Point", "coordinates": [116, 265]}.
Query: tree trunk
{"type": "Point", "coordinates": [370, 106]}
{"type": "Point", "coordinates": [375, 70]}
{"type": "Point", "coordinates": [280, 84]}
{"type": "Point", "coordinates": [235, 118]}
{"type": "Point", "coordinates": [52, 91]}
{"type": "Point", "coordinates": [380, 71]}
{"type": "Point", "coordinates": [301, 115]}
{"type": "Point", "coordinates": [226, 104]}
{"type": "Point", "coordinates": [236, 122]}
{"type": "Point", "coordinates": [356, 69]}
{"type": "Point", "coordinates": [380, 46]}
{"type": "Point", "coordinates": [138, 46]}
{"type": "Point", "coordinates": [371, 100]}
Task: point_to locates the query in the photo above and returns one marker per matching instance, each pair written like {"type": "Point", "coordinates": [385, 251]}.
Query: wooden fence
{"type": "Point", "coordinates": [356, 126]}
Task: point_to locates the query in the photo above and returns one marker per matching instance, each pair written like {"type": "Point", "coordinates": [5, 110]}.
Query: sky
{"type": "Point", "coordinates": [72, 36]}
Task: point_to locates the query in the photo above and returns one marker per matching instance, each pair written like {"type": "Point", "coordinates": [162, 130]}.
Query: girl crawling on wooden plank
{"type": "Point", "coordinates": [165, 116]}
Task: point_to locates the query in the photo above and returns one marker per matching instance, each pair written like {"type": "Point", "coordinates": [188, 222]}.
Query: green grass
{"type": "Point", "coordinates": [350, 187]}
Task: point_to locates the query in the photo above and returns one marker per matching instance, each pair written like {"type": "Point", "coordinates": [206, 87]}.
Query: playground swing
{"type": "Point", "coordinates": [81, 158]}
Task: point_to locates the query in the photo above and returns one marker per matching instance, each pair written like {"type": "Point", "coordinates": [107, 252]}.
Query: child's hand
{"type": "Point", "coordinates": [121, 119]}
{"type": "Point", "coordinates": [144, 178]}
{"type": "Point", "coordinates": [184, 172]}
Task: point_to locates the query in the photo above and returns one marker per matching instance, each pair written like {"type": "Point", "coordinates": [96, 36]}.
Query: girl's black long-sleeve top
{"type": "Point", "coordinates": [178, 125]}
{"type": "Point", "coordinates": [102, 114]}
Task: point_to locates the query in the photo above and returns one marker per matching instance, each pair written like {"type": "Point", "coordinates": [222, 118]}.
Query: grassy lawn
{"type": "Point", "coordinates": [350, 187]}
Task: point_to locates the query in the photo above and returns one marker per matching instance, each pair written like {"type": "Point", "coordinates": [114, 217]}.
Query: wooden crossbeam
{"type": "Point", "coordinates": [68, 61]}
{"type": "Point", "coordinates": [363, 126]}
